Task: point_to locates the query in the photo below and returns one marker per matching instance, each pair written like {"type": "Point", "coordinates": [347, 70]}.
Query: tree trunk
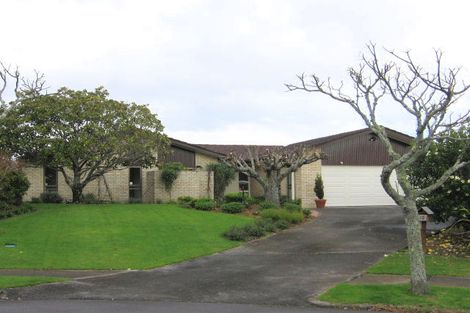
{"type": "Point", "coordinates": [76, 187]}
{"type": "Point", "coordinates": [419, 285]}
{"type": "Point", "coordinates": [76, 194]}
{"type": "Point", "coordinates": [271, 193]}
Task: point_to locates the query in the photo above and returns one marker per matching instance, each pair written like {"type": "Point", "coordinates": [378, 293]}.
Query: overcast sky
{"type": "Point", "coordinates": [214, 71]}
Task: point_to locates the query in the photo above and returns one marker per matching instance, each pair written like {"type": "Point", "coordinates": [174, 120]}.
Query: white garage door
{"type": "Point", "coordinates": [354, 185]}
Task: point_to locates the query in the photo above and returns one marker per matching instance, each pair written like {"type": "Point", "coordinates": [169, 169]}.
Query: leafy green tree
{"type": "Point", "coordinates": [223, 175]}
{"type": "Point", "coordinates": [84, 134]}
{"type": "Point", "coordinates": [453, 197]}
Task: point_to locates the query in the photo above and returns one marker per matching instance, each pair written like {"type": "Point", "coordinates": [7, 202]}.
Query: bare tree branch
{"type": "Point", "coordinates": [21, 86]}
{"type": "Point", "coordinates": [269, 166]}
{"type": "Point", "coordinates": [427, 97]}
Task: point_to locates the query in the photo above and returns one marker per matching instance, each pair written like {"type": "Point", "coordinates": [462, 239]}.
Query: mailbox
{"type": "Point", "coordinates": [425, 215]}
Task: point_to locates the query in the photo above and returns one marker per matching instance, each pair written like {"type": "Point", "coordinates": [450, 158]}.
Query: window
{"type": "Point", "coordinates": [244, 183]}
{"type": "Point", "coordinates": [135, 184]}
{"type": "Point", "coordinates": [185, 157]}
{"type": "Point", "coordinates": [51, 180]}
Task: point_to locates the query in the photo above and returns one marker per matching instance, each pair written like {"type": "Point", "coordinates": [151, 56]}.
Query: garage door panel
{"type": "Point", "coordinates": [354, 185]}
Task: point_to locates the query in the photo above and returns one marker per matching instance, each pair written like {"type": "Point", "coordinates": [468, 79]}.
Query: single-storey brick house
{"type": "Point", "coordinates": [135, 184]}
{"type": "Point", "coordinates": [350, 173]}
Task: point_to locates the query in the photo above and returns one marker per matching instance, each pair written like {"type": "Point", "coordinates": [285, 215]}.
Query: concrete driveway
{"type": "Point", "coordinates": [284, 269]}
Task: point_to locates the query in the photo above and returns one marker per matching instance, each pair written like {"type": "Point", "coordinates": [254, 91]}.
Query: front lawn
{"type": "Point", "coordinates": [112, 236]}
{"type": "Point", "coordinates": [22, 281]}
{"type": "Point", "coordinates": [398, 264]}
{"type": "Point", "coordinates": [444, 298]}
{"type": "Point", "coordinates": [448, 298]}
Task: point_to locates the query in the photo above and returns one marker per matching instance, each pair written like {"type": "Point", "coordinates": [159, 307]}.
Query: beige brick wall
{"type": "Point", "coordinates": [284, 187]}
{"type": "Point", "coordinates": [233, 186]}
{"type": "Point", "coordinates": [204, 160]}
{"type": "Point", "coordinates": [35, 177]}
{"type": "Point", "coordinates": [193, 183]}
{"type": "Point", "coordinates": [63, 189]}
{"type": "Point", "coordinates": [117, 180]}
{"type": "Point", "coordinates": [148, 191]}
{"type": "Point", "coordinates": [304, 183]}
{"type": "Point", "coordinates": [256, 190]}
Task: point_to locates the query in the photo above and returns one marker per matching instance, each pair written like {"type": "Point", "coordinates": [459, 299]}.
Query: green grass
{"type": "Point", "coordinates": [398, 264]}
{"type": "Point", "coordinates": [450, 298]}
{"type": "Point", "coordinates": [22, 281]}
{"type": "Point", "coordinates": [114, 236]}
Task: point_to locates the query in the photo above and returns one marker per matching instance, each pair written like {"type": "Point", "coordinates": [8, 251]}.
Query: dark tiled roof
{"type": "Point", "coordinates": [317, 142]}
{"type": "Point", "coordinates": [195, 148]}
{"type": "Point", "coordinates": [236, 149]}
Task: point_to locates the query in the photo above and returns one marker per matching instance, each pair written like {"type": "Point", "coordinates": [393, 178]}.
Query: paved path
{"type": "Point", "coordinates": [282, 270]}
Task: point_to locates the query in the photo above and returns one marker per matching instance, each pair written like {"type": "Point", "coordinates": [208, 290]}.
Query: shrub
{"type": "Point", "coordinates": [51, 197]}
{"type": "Point", "coordinates": [267, 224]}
{"type": "Point", "coordinates": [186, 201]}
{"type": "Point", "coordinates": [267, 205]}
{"type": "Point", "coordinates": [245, 233]}
{"type": "Point", "coordinates": [452, 199]}
{"type": "Point", "coordinates": [89, 198]}
{"type": "Point", "coordinates": [258, 199]}
{"type": "Point", "coordinates": [35, 200]}
{"type": "Point", "coordinates": [223, 175]}
{"type": "Point", "coordinates": [235, 197]}
{"type": "Point", "coordinates": [254, 231]}
{"type": "Point", "coordinates": [204, 204]}
{"type": "Point", "coordinates": [281, 224]}
{"type": "Point", "coordinates": [307, 212]}
{"type": "Point", "coordinates": [319, 187]}
{"type": "Point", "coordinates": [296, 201]}
{"type": "Point", "coordinates": [282, 214]}
{"type": "Point", "coordinates": [8, 210]}
{"type": "Point", "coordinates": [232, 207]}
{"type": "Point", "coordinates": [253, 200]}
{"type": "Point", "coordinates": [292, 207]}
{"type": "Point", "coordinates": [169, 174]}
{"type": "Point", "coordinates": [236, 233]}
{"type": "Point", "coordinates": [13, 185]}
{"type": "Point", "coordinates": [283, 199]}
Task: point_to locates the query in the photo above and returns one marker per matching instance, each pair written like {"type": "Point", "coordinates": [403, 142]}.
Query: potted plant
{"type": "Point", "coordinates": [319, 192]}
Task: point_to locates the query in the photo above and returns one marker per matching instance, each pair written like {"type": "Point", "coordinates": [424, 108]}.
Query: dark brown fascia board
{"type": "Point", "coordinates": [195, 148]}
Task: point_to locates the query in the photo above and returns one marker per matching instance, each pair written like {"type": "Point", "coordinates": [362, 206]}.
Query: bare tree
{"type": "Point", "coordinates": [269, 167]}
{"type": "Point", "coordinates": [21, 86]}
{"type": "Point", "coordinates": [427, 97]}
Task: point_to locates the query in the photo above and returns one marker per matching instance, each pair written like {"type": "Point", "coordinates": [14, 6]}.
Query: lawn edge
{"type": "Point", "coordinates": [60, 280]}
{"type": "Point", "coordinates": [314, 301]}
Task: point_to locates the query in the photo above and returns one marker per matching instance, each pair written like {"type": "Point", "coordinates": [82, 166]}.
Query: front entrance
{"type": "Point", "coordinates": [135, 184]}
{"type": "Point", "coordinates": [51, 180]}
